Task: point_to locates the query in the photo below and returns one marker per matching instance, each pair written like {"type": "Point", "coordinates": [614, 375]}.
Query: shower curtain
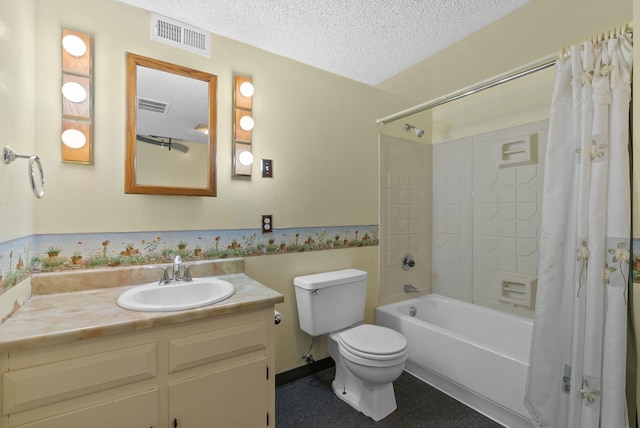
{"type": "Point", "coordinates": [576, 375]}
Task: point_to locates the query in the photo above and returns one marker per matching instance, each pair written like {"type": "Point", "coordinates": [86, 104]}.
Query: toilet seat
{"type": "Point", "coordinates": [373, 342]}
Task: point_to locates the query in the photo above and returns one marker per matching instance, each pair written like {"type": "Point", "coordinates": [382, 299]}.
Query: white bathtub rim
{"type": "Point", "coordinates": [447, 299]}
{"type": "Point", "coordinates": [394, 309]}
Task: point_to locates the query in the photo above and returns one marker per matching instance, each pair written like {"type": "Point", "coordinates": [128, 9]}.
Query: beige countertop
{"type": "Point", "coordinates": [51, 317]}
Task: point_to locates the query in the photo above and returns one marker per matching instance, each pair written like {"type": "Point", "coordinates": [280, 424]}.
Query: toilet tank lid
{"type": "Point", "coordinates": [328, 279]}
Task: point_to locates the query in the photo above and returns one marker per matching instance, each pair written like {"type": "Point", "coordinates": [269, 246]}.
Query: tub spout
{"type": "Point", "coordinates": [408, 288]}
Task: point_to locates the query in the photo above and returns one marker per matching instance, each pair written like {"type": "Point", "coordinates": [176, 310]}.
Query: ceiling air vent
{"type": "Point", "coordinates": [180, 35]}
{"type": "Point", "coordinates": [151, 105]}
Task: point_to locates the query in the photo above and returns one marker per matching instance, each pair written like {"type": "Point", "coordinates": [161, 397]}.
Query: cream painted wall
{"type": "Point", "coordinates": [524, 100]}
{"type": "Point", "coordinates": [635, 198]}
{"type": "Point", "coordinates": [633, 356]}
{"type": "Point", "coordinates": [16, 118]}
{"type": "Point", "coordinates": [536, 30]}
{"type": "Point", "coordinates": [317, 127]}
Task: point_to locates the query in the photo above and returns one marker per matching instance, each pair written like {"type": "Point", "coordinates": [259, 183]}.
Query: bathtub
{"type": "Point", "coordinates": [477, 355]}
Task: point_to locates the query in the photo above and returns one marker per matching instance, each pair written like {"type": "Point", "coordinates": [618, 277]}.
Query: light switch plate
{"type": "Point", "coordinates": [267, 168]}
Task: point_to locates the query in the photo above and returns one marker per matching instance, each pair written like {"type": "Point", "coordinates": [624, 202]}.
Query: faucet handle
{"type": "Point", "coordinates": [187, 273]}
{"type": "Point", "coordinates": [164, 278]}
{"type": "Point", "coordinates": [408, 262]}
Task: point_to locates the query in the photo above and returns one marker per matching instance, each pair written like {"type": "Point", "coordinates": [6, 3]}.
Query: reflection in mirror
{"type": "Point", "coordinates": [171, 129]}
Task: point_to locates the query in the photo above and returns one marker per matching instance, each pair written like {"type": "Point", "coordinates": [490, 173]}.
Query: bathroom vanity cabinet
{"type": "Point", "coordinates": [216, 371]}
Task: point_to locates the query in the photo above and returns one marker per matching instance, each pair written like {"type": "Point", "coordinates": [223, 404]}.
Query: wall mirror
{"type": "Point", "coordinates": [171, 129]}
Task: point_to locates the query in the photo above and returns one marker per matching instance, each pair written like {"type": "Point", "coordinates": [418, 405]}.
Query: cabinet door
{"type": "Point", "coordinates": [139, 410]}
{"type": "Point", "coordinates": [232, 398]}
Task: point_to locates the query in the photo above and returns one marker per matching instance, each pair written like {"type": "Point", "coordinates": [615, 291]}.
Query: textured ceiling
{"type": "Point", "coordinates": [364, 40]}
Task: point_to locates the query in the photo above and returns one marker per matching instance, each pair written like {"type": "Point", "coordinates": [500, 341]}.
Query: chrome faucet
{"type": "Point", "coordinates": [408, 288]}
{"type": "Point", "coordinates": [177, 261]}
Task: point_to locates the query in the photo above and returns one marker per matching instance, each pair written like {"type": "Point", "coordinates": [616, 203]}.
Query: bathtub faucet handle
{"type": "Point", "coordinates": [408, 262]}
{"type": "Point", "coordinates": [408, 288]}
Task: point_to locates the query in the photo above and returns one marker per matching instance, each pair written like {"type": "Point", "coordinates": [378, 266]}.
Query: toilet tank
{"type": "Point", "coordinates": [330, 301]}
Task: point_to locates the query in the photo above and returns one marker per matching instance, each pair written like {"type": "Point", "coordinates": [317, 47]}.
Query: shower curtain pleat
{"type": "Point", "coordinates": [577, 367]}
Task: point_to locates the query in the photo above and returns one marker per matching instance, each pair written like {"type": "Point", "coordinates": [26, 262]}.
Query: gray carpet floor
{"type": "Point", "coordinates": [311, 403]}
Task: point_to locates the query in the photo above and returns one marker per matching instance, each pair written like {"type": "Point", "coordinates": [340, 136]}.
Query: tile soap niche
{"type": "Point", "coordinates": [518, 290]}
{"type": "Point", "coordinates": [518, 151]}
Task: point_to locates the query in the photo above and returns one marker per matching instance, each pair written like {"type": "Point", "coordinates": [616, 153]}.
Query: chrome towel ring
{"type": "Point", "coordinates": [9, 156]}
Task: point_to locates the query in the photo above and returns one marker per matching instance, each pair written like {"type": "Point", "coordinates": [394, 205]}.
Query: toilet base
{"type": "Point", "coordinates": [376, 402]}
{"type": "Point", "coordinates": [366, 388]}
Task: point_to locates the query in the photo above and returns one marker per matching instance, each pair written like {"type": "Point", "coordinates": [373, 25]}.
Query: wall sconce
{"type": "Point", "coordinates": [77, 101]}
{"type": "Point", "coordinates": [243, 124]}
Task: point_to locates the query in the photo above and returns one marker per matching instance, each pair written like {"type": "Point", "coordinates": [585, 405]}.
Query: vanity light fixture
{"type": "Point", "coordinates": [246, 89]}
{"type": "Point", "coordinates": [73, 44]}
{"type": "Point", "coordinates": [246, 123]}
{"type": "Point", "coordinates": [242, 159]}
{"type": "Point", "coordinates": [73, 138]}
{"type": "Point", "coordinates": [74, 92]}
{"type": "Point", "coordinates": [245, 158]}
{"type": "Point", "coordinates": [243, 124]}
{"type": "Point", "coordinates": [77, 101]}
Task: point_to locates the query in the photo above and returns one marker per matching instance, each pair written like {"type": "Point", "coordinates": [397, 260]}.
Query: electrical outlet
{"type": "Point", "coordinates": [267, 168]}
{"type": "Point", "coordinates": [267, 223]}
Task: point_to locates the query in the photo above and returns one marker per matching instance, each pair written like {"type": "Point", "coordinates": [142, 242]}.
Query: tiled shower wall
{"type": "Point", "coordinates": [405, 217]}
{"type": "Point", "coordinates": [487, 217]}
{"type": "Point", "coordinates": [453, 219]}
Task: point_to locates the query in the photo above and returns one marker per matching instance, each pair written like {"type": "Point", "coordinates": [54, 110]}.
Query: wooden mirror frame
{"type": "Point", "coordinates": [130, 185]}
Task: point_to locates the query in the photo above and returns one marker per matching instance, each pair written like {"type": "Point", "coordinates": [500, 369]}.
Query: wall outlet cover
{"type": "Point", "coordinates": [267, 223]}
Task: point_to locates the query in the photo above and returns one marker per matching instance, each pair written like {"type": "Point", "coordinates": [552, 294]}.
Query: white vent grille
{"type": "Point", "coordinates": [152, 105]}
{"type": "Point", "coordinates": [177, 34]}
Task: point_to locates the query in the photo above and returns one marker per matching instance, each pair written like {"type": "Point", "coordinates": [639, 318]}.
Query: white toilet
{"type": "Point", "coordinates": [368, 357]}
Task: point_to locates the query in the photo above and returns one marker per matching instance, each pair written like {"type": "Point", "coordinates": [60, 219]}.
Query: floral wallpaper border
{"type": "Point", "coordinates": [635, 258]}
{"type": "Point", "coordinates": [19, 257]}
{"type": "Point", "coordinates": [56, 252]}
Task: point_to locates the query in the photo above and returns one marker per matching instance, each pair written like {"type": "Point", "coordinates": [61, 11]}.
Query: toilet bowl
{"type": "Point", "coordinates": [368, 359]}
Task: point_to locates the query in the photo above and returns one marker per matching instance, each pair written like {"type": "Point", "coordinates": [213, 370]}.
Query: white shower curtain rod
{"type": "Point", "coordinates": [485, 84]}
{"type": "Point", "coordinates": [470, 90]}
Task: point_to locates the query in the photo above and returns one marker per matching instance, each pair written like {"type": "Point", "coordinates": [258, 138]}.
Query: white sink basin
{"type": "Point", "coordinates": [154, 297]}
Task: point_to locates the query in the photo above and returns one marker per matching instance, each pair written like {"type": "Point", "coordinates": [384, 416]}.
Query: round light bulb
{"type": "Point", "coordinates": [245, 158]}
{"type": "Point", "coordinates": [74, 92]}
{"type": "Point", "coordinates": [73, 138]}
{"type": "Point", "coordinates": [246, 89]}
{"type": "Point", "coordinates": [74, 45]}
{"type": "Point", "coordinates": [246, 123]}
